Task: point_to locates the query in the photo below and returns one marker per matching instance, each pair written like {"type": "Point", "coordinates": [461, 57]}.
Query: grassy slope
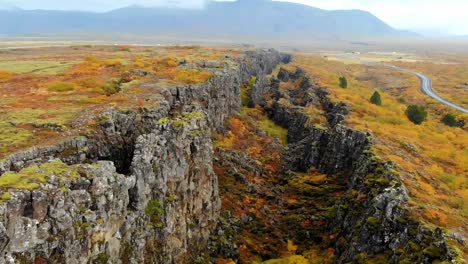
{"type": "Point", "coordinates": [449, 79]}
{"type": "Point", "coordinates": [433, 158]}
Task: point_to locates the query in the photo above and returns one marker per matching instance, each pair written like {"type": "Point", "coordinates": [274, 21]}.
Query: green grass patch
{"type": "Point", "coordinates": [60, 87]}
{"type": "Point", "coordinates": [13, 135]}
{"type": "Point", "coordinates": [30, 178]}
{"type": "Point", "coordinates": [266, 124]}
{"type": "Point", "coordinates": [8, 100]}
{"type": "Point", "coordinates": [129, 85]}
{"type": "Point", "coordinates": [74, 99]}
{"type": "Point", "coordinates": [155, 210]}
{"type": "Point", "coordinates": [274, 130]}
{"type": "Point", "coordinates": [392, 120]}
{"type": "Point", "coordinates": [246, 90]}
{"type": "Point", "coordinates": [373, 221]}
{"type": "Point", "coordinates": [276, 70]}
{"type": "Point", "coordinates": [38, 67]}
{"type": "Point", "coordinates": [40, 116]}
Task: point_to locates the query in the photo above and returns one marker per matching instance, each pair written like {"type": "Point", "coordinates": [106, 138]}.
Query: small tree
{"type": "Point", "coordinates": [450, 120]}
{"type": "Point", "coordinates": [343, 82]}
{"type": "Point", "coordinates": [376, 99]}
{"type": "Point", "coordinates": [416, 114]}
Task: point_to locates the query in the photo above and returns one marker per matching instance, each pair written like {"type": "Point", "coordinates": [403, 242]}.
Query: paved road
{"type": "Point", "coordinates": [426, 87]}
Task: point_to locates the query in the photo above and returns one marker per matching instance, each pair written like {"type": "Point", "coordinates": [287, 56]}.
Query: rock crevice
{"type": "Point", "coordinates": [371, 219]}
{"type": "Point", "coordinates": [140, 189]}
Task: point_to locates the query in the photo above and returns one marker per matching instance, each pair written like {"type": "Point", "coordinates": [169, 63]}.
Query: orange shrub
{"type": "Point", "coordinates": [192, 76]}
{"type": "Point", "coordinates": [89, 82]}
{"type": "Point", "coordinates": [139, 63]}
{"type": "Point", "coordinates": [169, 61]}
{"type": "Point", "coordinates": [437, 216]}
{"type": "Point", "coordinates": [112, 63]}
{"type": "Point", "coordinates": [224, 261]}
{"type": "Point", "coordinates": [4, 75]}
{"type": "Point", "coordinates": [90, 66]}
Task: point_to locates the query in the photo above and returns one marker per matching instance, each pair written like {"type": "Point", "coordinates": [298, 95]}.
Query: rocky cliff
{"type": "Point", "coordinates": [369, 221]}
{"type": "Point", "coordinates": [140, 189]}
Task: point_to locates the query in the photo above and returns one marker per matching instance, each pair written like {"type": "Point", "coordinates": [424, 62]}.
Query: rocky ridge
{"type": "Point", "coordinates": [370, 221]}
{"type": "Point", "coordinates": [142, 189]}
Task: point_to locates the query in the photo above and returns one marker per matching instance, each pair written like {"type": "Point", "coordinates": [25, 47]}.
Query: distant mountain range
{"type": "Point", "coordinates": [258, 18]}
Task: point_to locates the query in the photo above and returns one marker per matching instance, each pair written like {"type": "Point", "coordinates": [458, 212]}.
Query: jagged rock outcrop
{"type": "Point", "coordinates": [148, 194]}
{"type": "Point", "coordinates": [67, 219]}
{"type": "Point", "coordinates": [141, 189]}
{"type": "Point", "coordinates": [376, 223]}
{"type": "Point", "coordinates": [333, 151]}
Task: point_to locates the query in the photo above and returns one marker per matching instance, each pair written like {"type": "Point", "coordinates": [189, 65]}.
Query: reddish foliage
{"type": "Point", "coordinates": [40, 260]}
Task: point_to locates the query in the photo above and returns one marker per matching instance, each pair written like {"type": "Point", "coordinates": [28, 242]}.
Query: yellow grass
{"type": "Point", "coordinates": [432, 157]}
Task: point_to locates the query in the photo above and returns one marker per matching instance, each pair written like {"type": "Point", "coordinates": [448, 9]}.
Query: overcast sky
{"type": "Point", "coordinates": [429, 16]}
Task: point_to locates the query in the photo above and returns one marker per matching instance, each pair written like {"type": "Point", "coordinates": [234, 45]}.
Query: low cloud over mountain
{"type": "Point", "coordinates": [242, 18]}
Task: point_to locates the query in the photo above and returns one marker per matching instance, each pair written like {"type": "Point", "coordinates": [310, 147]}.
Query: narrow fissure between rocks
{"type": "Point", "coordinates": [315, 197]}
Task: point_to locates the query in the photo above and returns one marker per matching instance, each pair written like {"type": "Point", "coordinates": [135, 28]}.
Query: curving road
{"type": "Point", "coordinates": [426, 87]}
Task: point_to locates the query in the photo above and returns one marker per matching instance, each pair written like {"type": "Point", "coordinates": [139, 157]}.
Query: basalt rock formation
{"type": "Point", "coordinates": [142, 189]}
{"type": "Point", "coordinates": [369, 220]}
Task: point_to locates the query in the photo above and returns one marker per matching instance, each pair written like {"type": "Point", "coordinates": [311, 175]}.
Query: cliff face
{"type": "Point", "coordinates": [141, 189]}
{"type": "Point", "coordinates": [369, 220]}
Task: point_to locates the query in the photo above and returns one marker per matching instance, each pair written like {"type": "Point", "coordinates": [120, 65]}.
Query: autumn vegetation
{"type": "Point", "coordinates": [5, 75]}
{"type": "Point", "coordinates": [432, 157]}
{"type": "Point", "coordinates": [60, 87]}
{"type": "Point", "coordinates": [281, 206]}
{"type": "Point", "coordinates": [53, 87]}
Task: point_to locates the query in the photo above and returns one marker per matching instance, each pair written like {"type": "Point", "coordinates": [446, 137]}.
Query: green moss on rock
{"type": "Point", "coordinates": [433, 251]}
{"type": "Point", "coordinates": [373, 221]}
{"type": "Point", "coordinates": [163, 120]}
{"type": "Point", "coordinates": [31, 177]}
{"type": "Point", "coordinates": [5, 197]}
{"type": "Point", "coordinates": [155, 210]}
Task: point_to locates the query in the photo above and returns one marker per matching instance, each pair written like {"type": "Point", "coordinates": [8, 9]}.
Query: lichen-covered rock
{"type": "Point", "coordinates": [143, 188]}
{"type": "Point", "coordinates": [148, 194]}
{"type": "Point", "coordinates": [331, 151]}
{"type": "Point", "coordinates": [173, 169]}
{"type": "Point", "coordinates": [376, 224]}
{"type": "Point", "coordinates": [74, 148]}
{"type": "Point", "coordinates": [55, 219]}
